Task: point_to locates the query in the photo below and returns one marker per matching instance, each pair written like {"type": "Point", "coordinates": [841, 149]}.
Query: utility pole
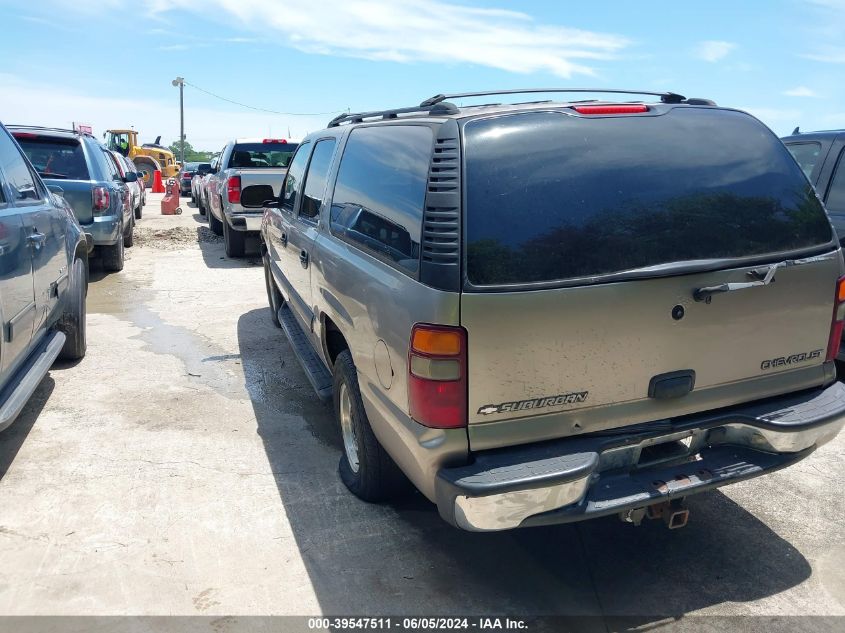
{"type": "Point", "coordinates": [180, 81]}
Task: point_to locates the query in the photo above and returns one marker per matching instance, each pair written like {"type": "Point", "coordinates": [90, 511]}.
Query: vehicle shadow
{"type": "Point", "coordinates": [96, 272]}
{"type": "Point", "coordinates": [214, 253]}
{"type": "Point", "coordinates": [401, 558]}
{"type": "Point", "coordinates": [13, 438]}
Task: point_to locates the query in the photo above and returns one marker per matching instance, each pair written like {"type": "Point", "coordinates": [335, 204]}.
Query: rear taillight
{"type": "Point", "coordinates": [233, 189]}
{"type": "Point", "coordinates": [611, 109]}
{"type": "Point", "coordinates": [437, 376]}
{"type": "Point", "coordinates": [100, 199]}
{"type": "Point", "coordinates": [838, 321]}
{"type": "Point", "coordinates": [187, 174]}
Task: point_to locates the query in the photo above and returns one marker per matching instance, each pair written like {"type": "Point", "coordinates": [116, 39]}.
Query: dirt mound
{"type": "Point", "coordinates": [174, 238]}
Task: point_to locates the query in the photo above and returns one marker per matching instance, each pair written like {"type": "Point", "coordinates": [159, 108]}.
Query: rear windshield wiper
{"type": "Point", "coordinates": [762, 276]}
{"type": "Point", "coordinates": [52, 175]}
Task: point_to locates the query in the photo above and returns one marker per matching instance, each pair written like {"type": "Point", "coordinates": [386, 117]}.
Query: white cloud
{"type": "Point", "coordinates": [23, 102]}
{"type": "Point", "coordinates": [801, 91]}
{"type": "Point", "coordinates": [828, 55]}
{"type": "Point", "coordinates": [713, 50]}
{"type": "Point", "coordinates": [837, 5]}
{"type": "Point", "coordinates": [779, 119]}
{"type": "Point", "coordinates": [407, 31]}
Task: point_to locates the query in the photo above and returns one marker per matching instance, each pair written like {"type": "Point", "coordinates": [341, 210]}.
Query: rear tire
{"type": "Point", "coordinates": [365, 467]}
{"type": "Point", "coordinates": [113, 256]}
{"type": "Point", "coordinates": [129, 237]}
{"type": "Point", "coordinates": [274, 297]}
{"type": "Point", "coordinates": [233, 240]}
{"type": "Point", "coordinates": [72, 321]}
{"type": "Point", "coordinates": [139, 211]}
{"type": "Point", "coordinates": [214, 224]}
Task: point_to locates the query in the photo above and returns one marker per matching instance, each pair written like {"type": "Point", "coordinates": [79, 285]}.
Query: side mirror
{"type": "Point", "coordinates": [130, 176]}
{"type": "Point", "coordinates": [275, 203]}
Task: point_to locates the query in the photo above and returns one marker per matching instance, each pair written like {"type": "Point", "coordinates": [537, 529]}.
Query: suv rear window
{"type": "Point", "coordinates": [55, 158]}
{"type": "Point", "coordinates": [261, 155]}
{"type": "Point", "coordinates": [554, 197]}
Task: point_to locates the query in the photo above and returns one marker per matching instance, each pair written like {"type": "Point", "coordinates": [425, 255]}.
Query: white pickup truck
{"type": "Point", "coordinates": [250, 171]}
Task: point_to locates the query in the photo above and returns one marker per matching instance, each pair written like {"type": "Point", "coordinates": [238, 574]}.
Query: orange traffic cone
{"type": "Point", "coordinates": [158, 186]}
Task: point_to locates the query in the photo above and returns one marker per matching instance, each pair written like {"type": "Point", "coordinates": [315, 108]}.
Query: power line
{"type": "Point", "coordinates": [244, 105]}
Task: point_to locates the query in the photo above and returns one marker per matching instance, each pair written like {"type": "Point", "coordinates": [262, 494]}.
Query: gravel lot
{"type": "Point", "coordinates": [185, 467]}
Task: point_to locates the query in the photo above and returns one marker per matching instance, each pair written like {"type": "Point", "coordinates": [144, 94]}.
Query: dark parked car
{"type": "Point", "coordinates": [186, 175]}
{"type": "Point", "coordinates": [91, 181]}
{"type": "Point", "coordinates": [43, 279]}
{"type": "Point", "coordinates": [821, 156]}
{"type": "Point", "coordinates": [641, 304]}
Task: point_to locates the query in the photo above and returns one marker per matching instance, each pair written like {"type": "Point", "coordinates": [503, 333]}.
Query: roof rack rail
{"type": "Point", "coordinates": [46, 128]}
{"type": "Point", "coordinates": [358, 117]}
{"type": "Point", "coordinates": [438, 104]}
{"type": "Point", "coordinates": [665, 97]}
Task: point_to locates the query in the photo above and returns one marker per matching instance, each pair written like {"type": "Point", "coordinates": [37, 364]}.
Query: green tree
{"type": "Point", "coordinates": [191, 155]}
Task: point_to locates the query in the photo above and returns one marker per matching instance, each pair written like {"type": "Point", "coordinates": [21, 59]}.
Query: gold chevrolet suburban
{"type": "Point", "coordinates": [549, 311]}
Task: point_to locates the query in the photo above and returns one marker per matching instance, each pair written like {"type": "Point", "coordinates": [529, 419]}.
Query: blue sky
{"type": "Point", "coordinates": [111, 62]}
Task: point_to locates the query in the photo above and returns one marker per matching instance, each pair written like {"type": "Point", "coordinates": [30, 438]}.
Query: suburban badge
{"type": "Point", "coordinates": [534, 403]}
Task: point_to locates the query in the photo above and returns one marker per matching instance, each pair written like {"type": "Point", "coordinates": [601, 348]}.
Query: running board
{"type": "Point", "coordinates": [28, 377]}
{"type": "Point", "coordinates": [315, 369]}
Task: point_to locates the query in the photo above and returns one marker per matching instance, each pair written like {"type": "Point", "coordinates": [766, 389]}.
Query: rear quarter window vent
{"type": "Point", "coordinates": [441, 231]}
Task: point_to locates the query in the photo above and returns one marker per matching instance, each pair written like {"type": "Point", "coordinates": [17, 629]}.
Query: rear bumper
{"type": "Point", "coordinates": [581, 478]}
{"type": "Point", "coordinates": [104, 230]}
{"type": "Point", "coordinates": [244, 221]}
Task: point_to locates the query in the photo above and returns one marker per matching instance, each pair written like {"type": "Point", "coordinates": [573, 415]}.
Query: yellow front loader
{"type": "Point", "coordinates": [147, 157]}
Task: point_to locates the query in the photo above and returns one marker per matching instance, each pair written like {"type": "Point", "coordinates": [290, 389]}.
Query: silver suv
{"type": "Point", "coordinates": [552, 311]}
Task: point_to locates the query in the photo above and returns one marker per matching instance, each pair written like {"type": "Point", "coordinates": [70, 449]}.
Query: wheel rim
{"type": "Point", "coordinates": [350, 442]}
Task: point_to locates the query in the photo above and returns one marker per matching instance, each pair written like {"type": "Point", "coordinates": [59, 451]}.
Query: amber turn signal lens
{"type": "Point", "coordinates": [840, 294]}
{"type": "Point", "coordinates": [436, 342]}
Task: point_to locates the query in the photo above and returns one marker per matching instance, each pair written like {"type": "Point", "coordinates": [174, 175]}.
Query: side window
{"type": "Point", "coordinates": [380, 191]}
{"type": "Point", "coordinates": [293, 180]}
{"type": "Point", "coordinates": [315, 179]}
{"type": "Point", "coordinates": [806, 155]}
{"type": "Point", "coordinates": [835, 202]}
{"type": "Point", "coordinates": [18, 174]}
{"type": "Point", "coordinates": [110, 167]}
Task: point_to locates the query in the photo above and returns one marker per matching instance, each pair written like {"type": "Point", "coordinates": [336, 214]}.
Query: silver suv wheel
{"type": "Point", "coordinates": [350, 442]}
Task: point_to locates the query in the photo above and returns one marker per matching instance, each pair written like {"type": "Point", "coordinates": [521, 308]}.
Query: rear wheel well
{"type": "Point", "coordinates": [333, 340]}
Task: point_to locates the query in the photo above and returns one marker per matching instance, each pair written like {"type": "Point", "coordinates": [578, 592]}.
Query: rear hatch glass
{"type": "Point", "coordinates": [57, 158]}
{"type": "Point", "coordinates": [575, 197]}
{"type": "Point", "coordinates": [588, 241]}
{"type": "Point", "coordinates": [262, 155]}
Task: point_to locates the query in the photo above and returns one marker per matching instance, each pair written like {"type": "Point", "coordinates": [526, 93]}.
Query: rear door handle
{"type": "Point", "coordinates": [37, 239]}
{"type": "Point", "coordinates": [284, 239]}
{"type": "Point", "coordinates": [303, 258]}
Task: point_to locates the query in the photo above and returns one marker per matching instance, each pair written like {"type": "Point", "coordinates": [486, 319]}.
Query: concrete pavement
{"type": "Point", "coordinates": [185, 467]}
